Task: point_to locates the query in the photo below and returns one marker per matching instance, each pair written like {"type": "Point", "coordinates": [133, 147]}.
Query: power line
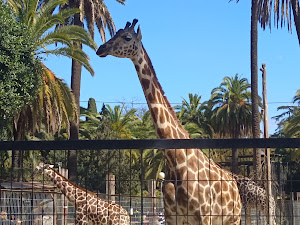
{"type": "Point", "coordinates": [176, 103]}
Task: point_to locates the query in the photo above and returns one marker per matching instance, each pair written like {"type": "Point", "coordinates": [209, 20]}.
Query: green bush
{"type": "Point", "coordinates": [20, 74]}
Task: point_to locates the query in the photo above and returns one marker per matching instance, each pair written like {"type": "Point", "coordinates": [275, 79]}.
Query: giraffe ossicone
{"type": "Point", "coordinates": [90, 209]}
{"type": "Point", "coordinates": [197, 190]}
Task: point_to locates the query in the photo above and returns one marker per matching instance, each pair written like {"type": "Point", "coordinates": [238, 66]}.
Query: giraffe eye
{"type": "Point", "coordinates": [127, 38]}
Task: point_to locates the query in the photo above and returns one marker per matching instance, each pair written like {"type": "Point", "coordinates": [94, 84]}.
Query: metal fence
{"type": "Point", "coordinates": [136, 187]}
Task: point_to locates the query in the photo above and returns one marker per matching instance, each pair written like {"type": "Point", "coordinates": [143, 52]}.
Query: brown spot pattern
{"type": "Point", "coordinates": [161, 118]}
{"type": "Point", "coordinates": [145, 83]}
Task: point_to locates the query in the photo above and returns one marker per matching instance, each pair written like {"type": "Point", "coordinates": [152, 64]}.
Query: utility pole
{"type": "Point", "coordinates": [266, 135]}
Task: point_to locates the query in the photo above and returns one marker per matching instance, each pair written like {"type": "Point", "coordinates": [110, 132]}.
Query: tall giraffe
{"type": "Point", "coordinates": [90, 209]}
{"type": "Point", "coordinates": [197, 191]}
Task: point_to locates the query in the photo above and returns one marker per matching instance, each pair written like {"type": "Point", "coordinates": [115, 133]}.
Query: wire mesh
{"type": "Point", "coordinates": [129, 178]}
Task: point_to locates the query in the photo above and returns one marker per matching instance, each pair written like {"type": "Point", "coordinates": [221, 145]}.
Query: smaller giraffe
{"type": "Point", "coordinates": [254, 196]}
{"type": "Point", "coordinates": [90, 209]}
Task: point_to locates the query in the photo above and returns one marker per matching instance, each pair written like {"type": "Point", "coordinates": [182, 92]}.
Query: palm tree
{"type": "Point", "coordinates": [261, 12]}
{"type": "Point", "coordinates": [51, 110]}
{"type": "Point", "coordinates": [193, 115]}
{"type": "Point", "coordinates": [254, 88]}
{"type": "Point", "coordinates": [142, 127]}
{"type": "Point", "coordinates": [282, 12]}
{"type": "Point", "coordinates": [120, 120]}
{"type": "Point", "coordinates": [40, 20]}
{"type": "Point", "coordinates": [94, 12]}
{"type": "Point", "coordinates": [231, 111]}
{"type": "Point", "coordinates": [289, 124]}
{"type": "Point", "coordinates": [189, 109]}
{"type": "Point", "coordinates": [96, 125]}
{"type": "Point", "coordinates": [254, 83]}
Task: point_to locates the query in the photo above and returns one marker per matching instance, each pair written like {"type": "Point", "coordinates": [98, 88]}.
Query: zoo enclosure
{"type": "Point", "coordinates": [289, 209]}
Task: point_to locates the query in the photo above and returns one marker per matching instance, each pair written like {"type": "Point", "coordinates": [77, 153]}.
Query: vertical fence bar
{"type": "Point", "coordinates": [142, 187]}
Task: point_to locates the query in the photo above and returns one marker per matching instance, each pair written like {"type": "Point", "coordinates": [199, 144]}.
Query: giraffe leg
{"type": "Point", "coordinates": [237, 220]}
{"type": "Point", "coordinates": [248, 215]}
{"type": "Point", "coordinates": [171, 214]}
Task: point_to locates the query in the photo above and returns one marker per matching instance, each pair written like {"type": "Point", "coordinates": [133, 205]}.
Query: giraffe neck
{"type": "Point", "coordinates": [74, 193]}
{"type": "Point", "coordinates": [166, 124]}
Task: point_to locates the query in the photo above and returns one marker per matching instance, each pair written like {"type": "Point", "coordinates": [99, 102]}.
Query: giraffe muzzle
{"type": "Point", "coordinates": [102, 51]}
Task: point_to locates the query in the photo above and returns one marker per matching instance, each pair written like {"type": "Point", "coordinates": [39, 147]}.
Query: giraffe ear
{"type": "Point", "coordinates": [139, 33]}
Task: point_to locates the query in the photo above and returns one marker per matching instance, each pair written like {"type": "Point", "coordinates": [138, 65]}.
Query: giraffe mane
{"type": "Point", "coordinates": [147, 58]}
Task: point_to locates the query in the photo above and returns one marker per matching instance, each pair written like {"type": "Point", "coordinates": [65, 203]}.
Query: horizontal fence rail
{"type": "Point", "coordinates": [153, 143]}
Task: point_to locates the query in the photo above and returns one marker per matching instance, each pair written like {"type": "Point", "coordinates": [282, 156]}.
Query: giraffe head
{"type": "Point", "coordinates": [40, 168]}
{"type": "Point", "coordinates": [125, 44]}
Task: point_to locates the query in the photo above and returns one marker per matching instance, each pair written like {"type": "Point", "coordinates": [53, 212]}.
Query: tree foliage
{"type": "Point", "coordinates": [289, 119]}
{"type": "Point", "coordinates": [51, 110]}
{"type": "Point", "coordinates": [40, 21]}
{"type": "Point", "coordinates": [231, 112]}
{"type": "Point", "coordinates": [19, 70]}
{"type": "Point", "coordinates": [194, 116]}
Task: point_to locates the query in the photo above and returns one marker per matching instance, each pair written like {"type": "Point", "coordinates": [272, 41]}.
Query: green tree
{"type": "Point", "coordinates": [92, 105]}
{"type": "Point", "coordinates": [41, 20]}
{"type": "Point", "coordinates": [153, 159]}
{"type": "Point", "coordinates": [193, 115]}
{"type": "Point", "coordinates": [96, 125]}
{"type": "Point", "coordinates": [120, 120]}
{"type": "Point", "coordinates": [231, 111]}
{"type": "Point", "coordinates": [19, 74]}
{"type": "Point", "coordinates": [19, 69]}
{"type": "Point", "coordinates": [42, 118]}
{"type": "Point", "coordinates": [142, 127]}
{"type": "Point", "coordinates": [94, 165]}
{"type": "Point", "coordinates": [52, 108]}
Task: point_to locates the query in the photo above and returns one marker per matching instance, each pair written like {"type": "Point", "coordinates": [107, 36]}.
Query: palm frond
{"type": "Point", "coordinates": [78, 34]}
{"type": "Point", "coordinates": [48, 6]}
{"type": "Point", "coordinates": [76, 54]}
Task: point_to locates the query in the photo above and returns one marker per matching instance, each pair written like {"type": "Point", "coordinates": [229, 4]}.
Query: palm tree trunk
{"type": "Point", "coordinates": [254, 91]}
{"type": "Point", "coordinates": [75, 86]}
{"type": "Point", "coordinates": [296, 13]}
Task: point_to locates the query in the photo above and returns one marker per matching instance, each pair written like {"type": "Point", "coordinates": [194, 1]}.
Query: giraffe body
{"type": "Point", "coordinates": [197, 191]}
{"type": "Point", "coordinates": [90, 209]}
{"type": "Point", "coordinates": [254, 196]}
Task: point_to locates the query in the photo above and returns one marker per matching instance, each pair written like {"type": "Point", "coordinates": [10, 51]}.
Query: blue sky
{"type": "Point", "coordinates": [193, 45]}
